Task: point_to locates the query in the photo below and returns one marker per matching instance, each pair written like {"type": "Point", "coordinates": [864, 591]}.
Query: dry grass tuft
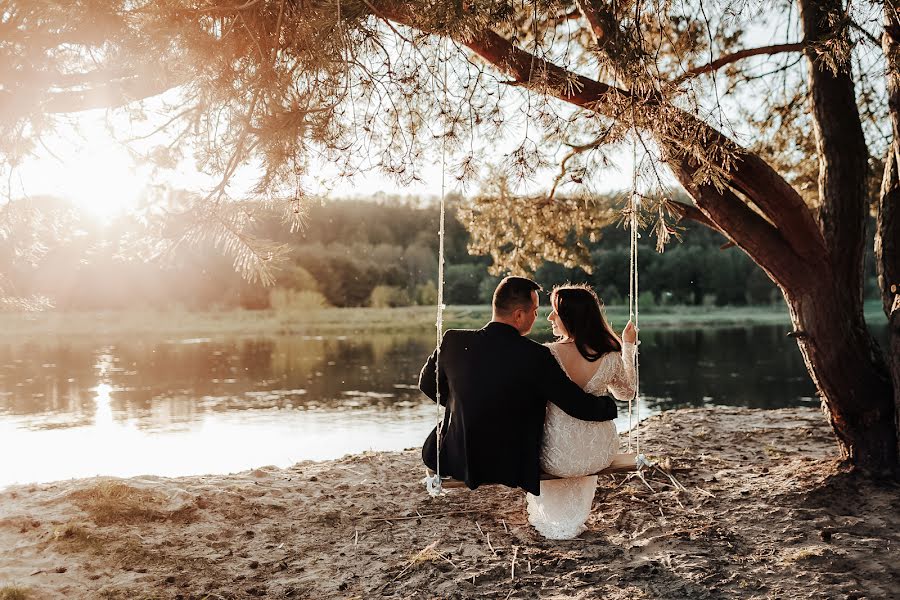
{"type": "Point", "coordinates": [127, 551]}
{"type": "Point", "coordinates": [14, 592]}
{"type": "Point", "coordinates": [113, 502]}
{"type": "Point", "coordinates": [805, 554]}
{"type": "Point", "coordinates": [78, 537]}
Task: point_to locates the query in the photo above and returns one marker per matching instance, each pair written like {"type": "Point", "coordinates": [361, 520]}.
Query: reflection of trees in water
{"type": "Point", "coordinates": [326, 368]}
{"type": "Point", "coordinates": [161, 383]}
{"type": "Point", "coordinates": [746, 366]}
{"type": "Point", "coordinates": [41, 375]}
{"type": "Point", "coordinates": [165, 382]}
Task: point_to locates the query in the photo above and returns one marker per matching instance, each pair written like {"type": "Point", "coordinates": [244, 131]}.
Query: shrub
{"type": "Point", "coordinates": [646, 300]}
{"type": "Point", "coordinates": [426, 293]}
{"type": "Point", "coordinates": [389, 296]}
{"type": "Point", "coordinates": [461, 283]}
{"type": "Point", "coordinates": [610, 295]}
{"type": "Point", "coordinates": [296, 277]}
{"type": "Point", "coordinates": [283, 299]}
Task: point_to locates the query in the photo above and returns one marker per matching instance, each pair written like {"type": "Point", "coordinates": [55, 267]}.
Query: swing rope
{"type": "Point", "coordinates": [433, 482]}
{"type": "Point", "coordinates": [634, 402]}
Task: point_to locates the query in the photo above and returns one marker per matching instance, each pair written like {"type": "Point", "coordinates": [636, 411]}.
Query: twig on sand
{"type": "Point", "coordinates": [427, 515]}
{"type": "Point", "coordinates": [640, 476]}
{"type": "Point", "coordinates": [705, 492]}
{"type": "Point", "coordinates": [512, 569]}
{"type": "Point", "coordinates": [429, 552]}
{"type": "Point", "coordinates": [421, 553]}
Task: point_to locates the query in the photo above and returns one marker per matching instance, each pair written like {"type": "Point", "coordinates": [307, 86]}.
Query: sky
{"type": "Point", "coordinates": [85, 163]}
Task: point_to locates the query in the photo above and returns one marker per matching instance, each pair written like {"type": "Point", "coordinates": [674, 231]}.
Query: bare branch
{"type": "Point", "coordinates": [740, 55]}
{"type": "Point", "coordinates": [575, 151]}
{"type": "Point", "coordinates": [691, 213]}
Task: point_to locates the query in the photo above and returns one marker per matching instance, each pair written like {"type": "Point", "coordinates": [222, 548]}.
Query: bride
{"type": "Point", "coordinates": [593, 357]}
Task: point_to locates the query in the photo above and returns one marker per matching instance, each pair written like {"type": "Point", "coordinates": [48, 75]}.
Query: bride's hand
{"type": "Point", "coordinates": [629, 334]}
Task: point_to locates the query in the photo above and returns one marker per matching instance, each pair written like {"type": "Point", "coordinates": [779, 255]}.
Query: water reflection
{"type": "Point", "coordinates": [71, 408]}
{"type": "Point", "coordinates": [103, 417]}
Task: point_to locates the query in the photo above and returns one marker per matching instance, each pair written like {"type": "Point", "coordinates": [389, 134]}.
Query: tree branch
{"type": "Point", "coordinates": [110, 95]}
{"type": "Point", "coordinates": [672, 126]}
{"type": "Point", "coordinates": [575, 151]}
{"type": "Point", "coordinates": [602, 23]}
{"type": "Point", "coordinates": [726, 213]}
{"type": "Point", "coordinates": [692, 213]}
{"type": "Point", "coordinates": [736, 56]}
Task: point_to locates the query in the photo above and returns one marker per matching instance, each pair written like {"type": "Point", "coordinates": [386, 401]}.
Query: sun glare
{"type": "Point", "coordinates": [102, 180]}
{"type": "Point", "coordinates": [88, 167]}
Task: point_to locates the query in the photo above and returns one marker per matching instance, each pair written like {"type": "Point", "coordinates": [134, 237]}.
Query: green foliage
{"type": "Point", "coordinates": [426, 293]}
{"type": "Point", "coordinates": [291, 300]}
{"type": "Point", "coordinates": [462, 283]}
{"type": "Point", "coordinates": [350, 248]}
{"type": "Point", "coordinates": [389, 296]}
{"type": "Point", "coordinates": [646, 300]}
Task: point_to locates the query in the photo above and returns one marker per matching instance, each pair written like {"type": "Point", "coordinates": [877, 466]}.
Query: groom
{"type": "Point", "coordinates": [496, 384]}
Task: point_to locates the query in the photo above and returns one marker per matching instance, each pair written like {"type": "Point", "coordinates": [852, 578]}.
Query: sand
{"type": "Point", "coordinates": [768, 512]}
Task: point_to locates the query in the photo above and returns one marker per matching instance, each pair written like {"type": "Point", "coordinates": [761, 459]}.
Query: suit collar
{"type": "Point", "coordinates": [503, 328]}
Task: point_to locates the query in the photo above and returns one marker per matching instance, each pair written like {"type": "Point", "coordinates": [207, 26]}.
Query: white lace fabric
{"type": "Point", "coordinates": [576, 449]}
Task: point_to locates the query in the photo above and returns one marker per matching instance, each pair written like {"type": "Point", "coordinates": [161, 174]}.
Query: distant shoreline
{"type": "Point", "coordinates": [354, 320]}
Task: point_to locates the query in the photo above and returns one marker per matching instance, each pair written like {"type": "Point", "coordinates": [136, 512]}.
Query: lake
{"type": "Point", "coordinates": [132, 406]}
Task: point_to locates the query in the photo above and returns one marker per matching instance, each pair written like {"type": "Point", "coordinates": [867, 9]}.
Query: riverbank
{"type": "Point", "coordinates": [353, 320]}
{"type": "Point", "coordinates": [768, 513]}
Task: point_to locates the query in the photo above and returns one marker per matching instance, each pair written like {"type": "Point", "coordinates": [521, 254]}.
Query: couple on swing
{"type": "Point", "coordinates": [516, 407]}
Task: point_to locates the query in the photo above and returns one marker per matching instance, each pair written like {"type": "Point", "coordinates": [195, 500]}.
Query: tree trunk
{"type": "Point", "coordinates": [887, 228]}
{"type": "Point", "coordinates": [847, 367]}
{"type": "Point", "coordinates": [841, 356]}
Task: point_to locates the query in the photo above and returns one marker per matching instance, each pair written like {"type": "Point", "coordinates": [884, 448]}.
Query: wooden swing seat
{"type": "Point", "coordinates": [621, 463]}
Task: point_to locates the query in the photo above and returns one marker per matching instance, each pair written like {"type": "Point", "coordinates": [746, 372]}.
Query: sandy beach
{"type": "Point", "coordinates": [768, 512]}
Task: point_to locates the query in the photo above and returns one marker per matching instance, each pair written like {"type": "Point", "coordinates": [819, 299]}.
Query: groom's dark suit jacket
{"type": "Point", "coordinates": [496, 385]}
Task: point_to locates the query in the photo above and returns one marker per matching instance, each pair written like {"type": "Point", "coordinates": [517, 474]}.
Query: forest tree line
{"type": "Point", "coordinates": [362, 253]}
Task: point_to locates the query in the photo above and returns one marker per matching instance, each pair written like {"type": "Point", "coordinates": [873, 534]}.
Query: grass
{"type": "Point", "coordinates": [14, 592]}
{"type": "Point", "coordinates": [78, 536]}
{"type": "Point", "coordinates": [113, 502]}
{"type": "Point", "coordinates": [126, 549]}
{"type": "Point", "coordinates": [351, 320]}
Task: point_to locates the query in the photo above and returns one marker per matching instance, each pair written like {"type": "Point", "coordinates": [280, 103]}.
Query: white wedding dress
{"type": "Point", "coordinates": [573, 448]}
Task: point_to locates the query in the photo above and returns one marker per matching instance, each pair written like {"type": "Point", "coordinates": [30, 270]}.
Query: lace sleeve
{"type": "Point", "coordinates": [555, 354]}
{"type": "Point", "coordinates": [623, 380]}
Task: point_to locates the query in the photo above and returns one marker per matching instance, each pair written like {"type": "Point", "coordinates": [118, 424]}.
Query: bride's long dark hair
{"type": "Point", "coordinates": [581, 313]}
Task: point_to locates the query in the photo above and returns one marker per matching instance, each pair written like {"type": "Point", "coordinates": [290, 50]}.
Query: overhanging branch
{"type": "Point", "coordinates": [750, 174]}
{"type": "Point", "coordinates": [737, 56]}
{"type": "Point", "coordinates": [692, 213]}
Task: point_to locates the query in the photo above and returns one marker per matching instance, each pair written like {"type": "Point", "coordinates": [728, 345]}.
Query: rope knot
{"type": "Point", "coordinates": [433, 485]}
{"type": "Point", "coordinates": [641, 461]}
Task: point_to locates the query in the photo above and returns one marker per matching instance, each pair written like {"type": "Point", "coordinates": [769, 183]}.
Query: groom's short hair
{"type": "Point", "coordinates": [513, 293]}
